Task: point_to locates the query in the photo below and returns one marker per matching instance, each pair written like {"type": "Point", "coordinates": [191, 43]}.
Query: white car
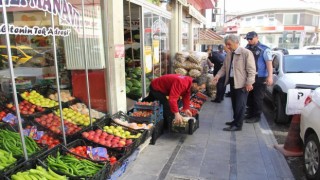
{"type": "Point", "coordinates": [290, 70]}
{"type": "Point", "coordinates": [309, 133]}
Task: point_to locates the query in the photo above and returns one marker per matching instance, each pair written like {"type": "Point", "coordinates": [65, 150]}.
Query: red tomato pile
{"type": "Point", "coordinates": [53, 123]}
{"type": "Point", "coordinates": [26, 108]}
{"type": "Point", "coordinates": [48, 140]}
{"type": "Point", "coordinates": [195, 105]}
{"type": "Point", "coordinates": [197, 101]}
{"type": "Point", "coordinates": [194, 112]}
{"type": "Point", "coordinates": [2, 115]}
{"type": "Point", "coordinates": [105, 139]}
{"type": "Point", "coordinates": [143, 113]}
{"type": "Point", "coordinates": [145, 103]}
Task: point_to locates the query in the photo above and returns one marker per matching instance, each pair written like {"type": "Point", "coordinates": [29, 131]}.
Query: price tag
{"type": "Point", "coordinates": [295, 100]}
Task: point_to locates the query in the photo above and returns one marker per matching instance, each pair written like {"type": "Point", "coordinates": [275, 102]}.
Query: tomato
{"type": "Point", "coordinates": [113, 159]}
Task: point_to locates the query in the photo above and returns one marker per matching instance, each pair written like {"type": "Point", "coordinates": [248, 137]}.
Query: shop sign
{"type": "Point", "coordinates": [148, 59]}
{"type": "Point", "coordinates": [196, 14]}
{"type": "Point", "coordinates": [35, 30]}
{"type": "Point", "coordinates": [62, 8]}
{"type": "Point", "coordinates": [156, 51]}
{"type": "Point", "coordinates": [119, 51]}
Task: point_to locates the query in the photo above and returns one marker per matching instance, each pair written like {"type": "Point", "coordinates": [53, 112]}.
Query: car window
{"type": "Point", "coordinates": [301, 64]}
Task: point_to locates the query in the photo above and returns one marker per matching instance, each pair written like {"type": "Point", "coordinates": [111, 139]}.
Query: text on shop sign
{"type": "Point", "coordinates": [35, 30]}
{"type": "Point", "coordinates": [62, 8]}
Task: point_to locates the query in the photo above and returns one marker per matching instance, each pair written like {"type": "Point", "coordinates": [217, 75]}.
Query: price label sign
{"type": "Point", "coordinates": [295, 100]}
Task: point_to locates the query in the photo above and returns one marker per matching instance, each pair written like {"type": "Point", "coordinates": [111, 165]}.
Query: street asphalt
{"type": "Point", "coordinates": [211, 153]}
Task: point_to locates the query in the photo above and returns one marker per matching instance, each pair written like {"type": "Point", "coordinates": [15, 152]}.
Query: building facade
{"type": "Point", "coordinates": [285, 28]}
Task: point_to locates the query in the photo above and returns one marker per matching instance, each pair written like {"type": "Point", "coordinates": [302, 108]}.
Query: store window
{"type": "Point", "coordinates": [52, 53]}
{"type": "Point", "coordinates": [146, 57]}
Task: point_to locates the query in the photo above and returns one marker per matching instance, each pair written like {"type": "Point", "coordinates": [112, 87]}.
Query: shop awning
{"type": "Point", "coordinates": [202, 4]}
{"type": "Point", "coordinates": [207, 36]}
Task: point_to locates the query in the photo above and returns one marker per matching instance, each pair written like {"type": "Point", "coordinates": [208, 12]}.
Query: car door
{"type": "Point", "coordinates": [277, 55]}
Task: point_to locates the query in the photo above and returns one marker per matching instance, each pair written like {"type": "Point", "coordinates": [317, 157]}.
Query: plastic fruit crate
{"type": "Point", "coordinates": [154, 106]}
{"type": "Point", "coordinates": [157, 131]}
{"type": "Point", "coordinates": [69, 137]}
{"type": "Point", "coordinates": [127, 149]}
{"type": "Point", "coordinates": [102, 174]}
{"type": "Point", "coordinates": [187, 128]}
{"type": "Point", "coordinates": [23, 166]}
{"type": "Point", "coordinates": [113, 167]}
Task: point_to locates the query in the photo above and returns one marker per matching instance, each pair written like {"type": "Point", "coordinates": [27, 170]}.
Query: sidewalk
{"type": "Point", "coordinates": [211, 153]}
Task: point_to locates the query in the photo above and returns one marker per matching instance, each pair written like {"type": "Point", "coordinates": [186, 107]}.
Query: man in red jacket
{"type": "Point", "coordinates": [174, 86]}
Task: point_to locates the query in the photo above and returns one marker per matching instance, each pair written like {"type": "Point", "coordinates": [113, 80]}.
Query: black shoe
{"type": "Point", "coordinates": [229, 123]}
{"type": "Point", "coordinates": [216, 101]}
{"type": "Point", "coordinates": [232, 128]}
{"type": "Point", "coordinates": [228, 94]}
{"type": "Point", "coordinates": [252, 120]}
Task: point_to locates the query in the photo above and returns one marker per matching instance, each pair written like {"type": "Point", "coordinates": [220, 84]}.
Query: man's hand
{"type": "Point", "coordinates": [249, 87]}
{"type": "Point", "coordinates": [269, 81]}
{"type": "Point", "coordinates": [178, 118]}
{"type": "Point", "coordinates": [215, 80]}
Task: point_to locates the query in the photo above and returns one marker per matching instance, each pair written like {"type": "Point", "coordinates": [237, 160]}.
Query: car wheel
{"type": "Point", "coordinates": [311, 156]}
{"type": "Point", "coordinates": [279, 109]}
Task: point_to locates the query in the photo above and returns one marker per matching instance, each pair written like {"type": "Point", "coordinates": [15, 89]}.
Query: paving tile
{"type": "Point", "coordinates": [251, 167]}
{"type": "Point", "coordinates": [213, 169]}
{"type": "Point", "coordinates": [213, 154]}
{"type": "Point", "coordinates": [251, 176]}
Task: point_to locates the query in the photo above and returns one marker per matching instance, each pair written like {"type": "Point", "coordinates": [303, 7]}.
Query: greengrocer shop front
{"type": "Point", "coordinates": [83, 60]}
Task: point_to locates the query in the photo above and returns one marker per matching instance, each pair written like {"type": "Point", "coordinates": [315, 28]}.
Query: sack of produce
{"type": "Point", "coordinates": [196, 57]}
{"type": "Point", "coordinates": [188, 65]}
{"type": "Point", "coordinates": [181, 71]}
{"type": "Point", "coordinates": [194, 73]}
{"type": "Point", "coordinates": [182, 54]}
{"type": "Point", "coordinates": [178, 64]}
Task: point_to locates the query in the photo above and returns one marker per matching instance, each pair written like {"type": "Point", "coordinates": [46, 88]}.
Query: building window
{"type": "Point", "coordinates": [247, 21]}
{"type": "Point", "coordinates": [291, 19]}
{"type": "Point", "coordinates": [260, 21]}
{"type": "Point", "coordinates": [315, 21]}
{"type": "Point", "coordinates": [271, 20]}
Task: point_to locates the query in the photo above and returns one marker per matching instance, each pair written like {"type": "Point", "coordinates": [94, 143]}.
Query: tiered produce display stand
{"type": "Point", "coordinates": [99, 147]}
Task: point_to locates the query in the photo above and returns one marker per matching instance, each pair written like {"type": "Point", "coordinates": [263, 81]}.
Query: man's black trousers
{"type": "Point", "coordinates": [168, 116]}
{"type": "Point", "coordinates": [238, 101]}
{"type": "Point", "coordinates": [255, 98]}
